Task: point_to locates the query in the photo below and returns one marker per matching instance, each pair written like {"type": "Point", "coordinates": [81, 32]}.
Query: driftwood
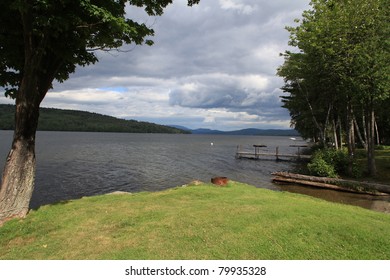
{"type": "Point", "coordinates": [332, 183]}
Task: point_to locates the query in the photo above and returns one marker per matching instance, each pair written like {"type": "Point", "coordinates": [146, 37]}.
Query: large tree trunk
{"type": "Point", "coordinates": [17, 183]}
{"type": "Point", "coordinates": [19, 172]}
{"type": "Point", "coordinates": [40, 67]}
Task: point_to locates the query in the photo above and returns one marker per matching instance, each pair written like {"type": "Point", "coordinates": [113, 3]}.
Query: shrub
{"type": "Point", "coordinates": [319, 167]}
{"type": "Point", "coordinates": [339, 159]}
{"type": "Point", "coordinates": [329, 163]}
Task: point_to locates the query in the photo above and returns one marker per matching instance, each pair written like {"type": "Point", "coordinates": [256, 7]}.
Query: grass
{"type": "Point", "coordinates": [198, 222]}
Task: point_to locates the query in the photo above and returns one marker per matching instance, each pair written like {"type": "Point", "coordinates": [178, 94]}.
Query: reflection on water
{"type": "Point", "coordinates": [377, 203]}
{"type": "Point", "coordinates": [72, 165]}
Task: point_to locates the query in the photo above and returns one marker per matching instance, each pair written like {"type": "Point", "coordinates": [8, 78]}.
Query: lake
{"type": "Point", "coordinates": [71, 165]}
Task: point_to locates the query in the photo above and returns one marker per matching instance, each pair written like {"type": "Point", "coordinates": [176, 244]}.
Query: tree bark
{"type": "Point", "coordinates": [340, 132]}
{"type": "Point", "coordinates": [17, 183]}
{"type": "Point", "coordinates": [18, 178]}
{"type": "Point", "coordinates": [364, 127]}
{"type": "Point", "coordinates": [371, 141]}
{"type": "Point", "coordinates": [350, 138]}
{"type": "Point", "coordinates": [362, 142]}
{"type": "Point", "coordinates": [335, 138]}
{"type": "Point", "coordinates": [378, 140]}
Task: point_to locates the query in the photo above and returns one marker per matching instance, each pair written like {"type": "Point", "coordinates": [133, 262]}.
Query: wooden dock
{"type": "Point", "coordinates": [259, 153]}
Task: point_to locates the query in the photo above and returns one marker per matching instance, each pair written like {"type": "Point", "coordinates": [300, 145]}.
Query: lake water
{"type": "Point", "coordinates": [71, 165]}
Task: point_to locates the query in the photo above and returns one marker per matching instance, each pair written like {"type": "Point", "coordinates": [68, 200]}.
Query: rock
{"type": "Point", "coordinates": [118, 192]}
{"type": "Point", "coordinates": [193, 183]}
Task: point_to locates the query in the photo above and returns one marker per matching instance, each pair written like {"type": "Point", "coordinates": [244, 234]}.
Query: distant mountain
{"type": "Point", "coordinates": [72, 120]}
{"type": "Point", "coordinates": [265, 132]}
{"type": "Point", "coordinates": [207, 131]}
{"type": "Point", "coordinates": [180, 127]}
{"type": "Point", "coordinates": [247, 131]}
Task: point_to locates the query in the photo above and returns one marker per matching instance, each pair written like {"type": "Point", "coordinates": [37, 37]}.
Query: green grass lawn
{"type": "Point", "coordinates": [198, 222]}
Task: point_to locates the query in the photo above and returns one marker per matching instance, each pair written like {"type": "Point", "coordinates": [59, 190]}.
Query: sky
{"type": "Point", "coordinates": [212, 66]}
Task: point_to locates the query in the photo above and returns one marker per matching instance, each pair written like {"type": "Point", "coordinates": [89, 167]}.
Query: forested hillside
{"type": "Point", "coordinates": [71, 120]}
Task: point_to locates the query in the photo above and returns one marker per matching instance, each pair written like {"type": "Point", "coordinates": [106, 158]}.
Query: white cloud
{"type": "Point", "coordinates": [238, 6]}
{"type": "Point", "coordinates": [252, 81]}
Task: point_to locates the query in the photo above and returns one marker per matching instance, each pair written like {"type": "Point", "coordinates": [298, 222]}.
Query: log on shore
{"type": "Point", "coordinates": [332, 183]}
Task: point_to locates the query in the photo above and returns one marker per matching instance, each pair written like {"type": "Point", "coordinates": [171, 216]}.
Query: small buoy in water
{"type": "Point", "coordinates": [211, 144]}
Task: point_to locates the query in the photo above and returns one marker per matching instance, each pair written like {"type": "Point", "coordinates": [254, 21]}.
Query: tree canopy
{"type": "Point", "coordinates": [338, 79]}
{"type": "Point", "coordinates": [57, 36]}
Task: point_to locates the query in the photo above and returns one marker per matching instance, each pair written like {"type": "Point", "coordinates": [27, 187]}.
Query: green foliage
{"type": "Point", "coordinates": [337, 158]}
{"type": "Point", "coordinates": [319, 167]}
{"type": "Point", "coordinates": [198, 222]}
{"type": "Point", "coordinates": [343, 59]}
{"type": "Point", "coordinates": [331, 163]}
{"type": "Point", "coordinates": [71, 120]}
{"type": "Point", "coordinates": [50, 38]}
{"type": "Point", "coordinates": [382, 147]}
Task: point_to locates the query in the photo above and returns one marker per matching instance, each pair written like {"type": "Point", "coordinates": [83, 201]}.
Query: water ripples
{"type": "Point", "coordinates": [72, 165]}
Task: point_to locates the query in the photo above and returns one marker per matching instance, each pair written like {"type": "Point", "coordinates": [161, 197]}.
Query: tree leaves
{"type": "Point", "coordinates": [66, 33]}
{"type": "Point", "coordinates": [343, 49]}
